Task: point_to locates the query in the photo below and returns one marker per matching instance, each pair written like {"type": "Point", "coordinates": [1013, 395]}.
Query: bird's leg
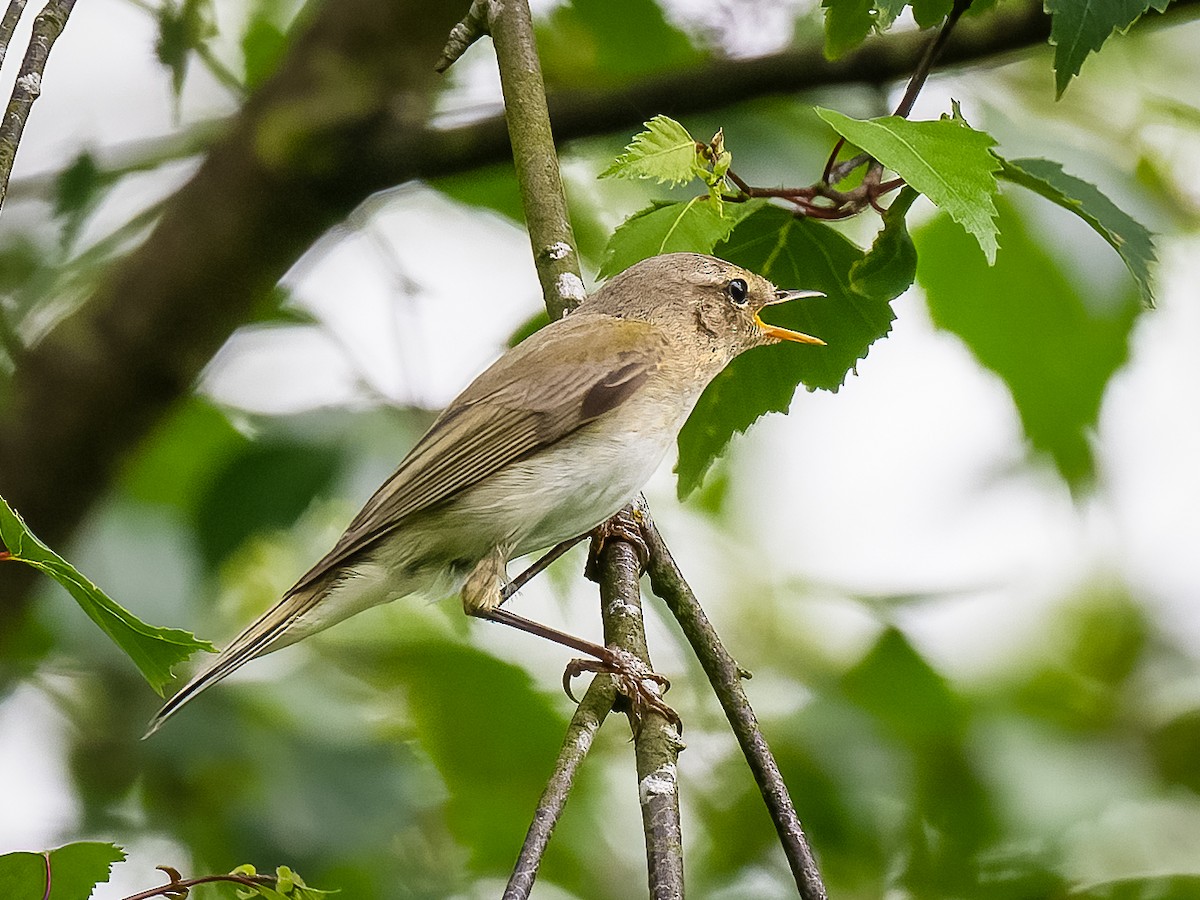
{"type": "Point", "coordinates": [482, 596]}
{"type": "Point", "coordinates": [543, 562]}
{"type": "Point", "coordinates": [623, 525]}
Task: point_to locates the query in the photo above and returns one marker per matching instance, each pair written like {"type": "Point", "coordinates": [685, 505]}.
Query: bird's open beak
{"type": "Point", "coordinates": [784, 334]}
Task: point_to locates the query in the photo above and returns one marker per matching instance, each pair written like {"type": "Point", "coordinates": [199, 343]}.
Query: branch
{"type": "Point", "coordinates": [656, 740]}
{"type": "Point", "coordinates": [8, 24]}
{"type": "Point", "coordinates": [48, 25]}
{"type": "Point", "coordinates": [725, 676]}
{"type": "Point", "coordinates": [542, 196]}
{"type": "Point", "coordinates": [589, 716]}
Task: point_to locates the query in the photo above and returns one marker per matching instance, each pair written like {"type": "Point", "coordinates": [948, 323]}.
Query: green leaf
{"type": "Point", "coordinates": [890, 265]}
{"type": "Point", "coordinates": [931, 12]}
{"type": "Point", "coordinates": [692, 225]}
{"type": "Point", "coordinates": [664, 151]}
{"type": "Point", "coordinates": [591, 43]}
{"type": "Point", "coordinates": [848, 22]}
{"type": "Point", "coordinates": [1079, 28]}
{"type": "Point", "coordinates": [947, 161]}
{"type": "Point", "coordinates": [182, 29]}
{"type": "Point", "coordinates": [902, 692]}
{"type": "Point", "coordinates": [793, 253]}
{"type": "Point", "coordinates": [263, 44]}
{"type": "Point", "coordinates": [1024, 320]}
{"type": "Point", "coordinates": [265, 486]}
{"type": "Point", "coordinates": [1130, 239]}
{"type": "Point", "coordinates": [77, 189]}
{"type": "Point", "coordinates": [75, 869]}
{"type": "Point", "coordinates": [153, 650]}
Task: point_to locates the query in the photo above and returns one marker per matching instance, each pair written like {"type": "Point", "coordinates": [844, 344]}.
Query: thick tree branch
{"type": "Point", "coordinates": [725, 676]}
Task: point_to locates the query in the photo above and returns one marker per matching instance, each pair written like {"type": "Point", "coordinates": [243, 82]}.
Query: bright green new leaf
{"type": "Point", "coordinates": [794, 253]}
{"type": "Point", "coordinates": [155, 651]}
{"type": "Point", "coordinates": [668, 227]}
{"type": "Point", "coordinates": [664, 151]}
{"type": "Point", "coordinates": [1129, 238]}
{"type": "Point", "coordinates": [1026, 321]}
{"type": "Point", "coordinates": [1078, 28]}
{"type": "Point", "coordinates": [891, 264]}
{"type": "Point", "coordinates": [75, 870]}
{"type": "Point", "coordinates": [947, 161]}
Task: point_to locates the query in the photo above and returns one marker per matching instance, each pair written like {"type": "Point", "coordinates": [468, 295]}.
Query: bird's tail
{"type": "Point", "coordinates": [269, 632]}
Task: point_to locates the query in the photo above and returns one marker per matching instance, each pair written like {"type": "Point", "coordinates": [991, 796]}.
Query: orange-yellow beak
{"type": "Point", "coordinates": [784, 334]}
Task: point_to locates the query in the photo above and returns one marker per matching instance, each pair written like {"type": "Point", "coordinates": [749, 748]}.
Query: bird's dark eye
{"type": "Point", "coordinates": [738, 290]}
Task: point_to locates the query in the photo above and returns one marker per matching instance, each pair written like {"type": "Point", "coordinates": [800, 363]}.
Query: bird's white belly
{"type": "Point", "coordinates": [570, 489]}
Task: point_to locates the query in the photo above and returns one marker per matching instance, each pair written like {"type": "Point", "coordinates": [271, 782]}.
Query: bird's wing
{"type": "Point", "coordinates": [582, 367]}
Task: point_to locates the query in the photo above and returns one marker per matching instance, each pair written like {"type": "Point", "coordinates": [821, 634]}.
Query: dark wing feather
{"type": "Point", "coordinates": [573, 372]}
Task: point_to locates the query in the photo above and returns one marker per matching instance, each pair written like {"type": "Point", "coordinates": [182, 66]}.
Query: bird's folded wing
{"type": "Point", "coordinates": [581, 368]}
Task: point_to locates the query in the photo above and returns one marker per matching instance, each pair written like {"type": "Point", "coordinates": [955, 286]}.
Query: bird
{"type": "Point", "coordinates": [553, 439]}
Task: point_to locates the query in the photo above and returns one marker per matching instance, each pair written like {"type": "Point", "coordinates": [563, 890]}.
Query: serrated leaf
{"type": "Point", "coordinates": [890, 266]}
{"type": "Point", "coordinates": [665, 151]}
{"type": "Point", "coordinates": [75, 870]}
{"type": "Point", "coordinates": [1078, 29]}
{"type": "Point", "coordinates": [947, 161]}
{"type": "Point", "coordinates": [793, 253]}
{"type": "Point", "coordinates": [691, 225]}
{"type": "Point", "coordinates": [1026, 321]}
{"type": "Point", "coordinates": [155, 651]}
{"type": "Point", "coordinates": [1132, 241]}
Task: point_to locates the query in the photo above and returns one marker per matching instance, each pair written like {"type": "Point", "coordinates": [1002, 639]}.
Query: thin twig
{"type": "Point", "coordinates": [8, 24]}
{"type": "Point", "coordinates": [179, 887]}
{"type": "Point", "coordinates": [589, 716]}
{"type": "Point", "coordinates": [925, 66]}
{"type": "Point", "coordinates": [48, 25]}
{"type": "Point", "coordinates": [725, 676]}
{"type": "Point", "coordinates": [656, 739]}
{"type": "Point", "coordinates": [473, 26]}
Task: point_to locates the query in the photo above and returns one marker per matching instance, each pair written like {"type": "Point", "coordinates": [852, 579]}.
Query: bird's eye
{"type": "Point", "coordinates": [738, 291]}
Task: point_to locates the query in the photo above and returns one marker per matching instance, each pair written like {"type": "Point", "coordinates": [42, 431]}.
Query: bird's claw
{"type": "Point", "coordinates": [623, 525]}
{"type": "Point", "coordinates": [641, 686]}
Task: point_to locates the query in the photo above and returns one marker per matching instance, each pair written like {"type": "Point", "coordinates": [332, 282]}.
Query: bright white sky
{"type": "Point", "coordinates": [920, 485]}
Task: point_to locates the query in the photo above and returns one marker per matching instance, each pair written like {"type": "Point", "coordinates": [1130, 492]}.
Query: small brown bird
{"type": "Point", "coordinates": [553, 439]}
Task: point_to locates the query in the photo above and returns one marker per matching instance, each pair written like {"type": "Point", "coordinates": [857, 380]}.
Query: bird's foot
{"type": "Point", "coordinates": [640, 685]}
{"type": "Point", "coordinates": [625, 525]}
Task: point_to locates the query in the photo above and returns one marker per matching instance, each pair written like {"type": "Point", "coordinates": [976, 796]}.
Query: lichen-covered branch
{"type": "Point", "coordinates": [725, 676]}
{"type": "Point", "coordinates": [656, 740]}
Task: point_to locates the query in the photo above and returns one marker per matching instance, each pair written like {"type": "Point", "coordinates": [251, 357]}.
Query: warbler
{"type": "Point", "coordinates": [554, 438]}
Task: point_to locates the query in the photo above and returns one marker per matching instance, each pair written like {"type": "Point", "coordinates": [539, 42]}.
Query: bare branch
{"type": "Point", "coordinates": [48, 25]}
{"type": "Point", "coordinates": [8, 24]}
{"type": "Point", "coordinates": [656, 740]}
{"type": "Point", "coordinates": [589, 716]}
{"type": "Point", "coordinates": [536, 159]}
{"type": "Point", "coordinates": [725, 676]}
